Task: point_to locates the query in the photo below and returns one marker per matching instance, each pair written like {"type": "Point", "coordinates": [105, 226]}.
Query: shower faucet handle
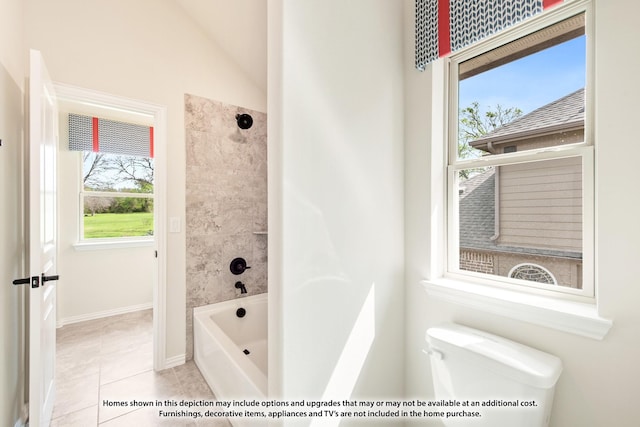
{"type": "Point", "coordinates": [242, 287]}
{"type": "Point", "coordinates": [238, 266]}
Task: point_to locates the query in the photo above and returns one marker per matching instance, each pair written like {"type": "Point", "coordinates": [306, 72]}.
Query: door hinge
{"type": "Point", "coordinates": [156, 254]}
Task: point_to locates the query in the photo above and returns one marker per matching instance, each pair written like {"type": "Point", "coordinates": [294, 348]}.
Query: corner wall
{"type": "Point", "coordinates": [598, 385]}
{"type": "Point", "coordinates": [12, 243]}
{"type": "Point", "coordinates": [336, 200]}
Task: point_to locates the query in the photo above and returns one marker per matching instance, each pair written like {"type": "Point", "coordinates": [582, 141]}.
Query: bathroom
{"type": "Point", "coordinates": [349, 188]}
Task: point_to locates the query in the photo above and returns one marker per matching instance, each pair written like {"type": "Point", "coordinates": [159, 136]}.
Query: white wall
{"type": "Point", "coordinates": [12, 244]}
{"type": "Point", "coordinates": [336, 199]}
{"type": "Point", "coordinates": [599, 383]}
{"type": "Point", "coordinates": [147, 50]}
{"type": "Point", "coordinates": [12, 53]}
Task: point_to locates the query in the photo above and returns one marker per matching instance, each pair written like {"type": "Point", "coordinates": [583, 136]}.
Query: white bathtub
{"type": "Point", "coordinates": [231, 351]}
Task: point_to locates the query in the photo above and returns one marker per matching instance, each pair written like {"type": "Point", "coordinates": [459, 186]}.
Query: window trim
{"type": "Point", "coordinates": [579, 315]}
{"type": "Point", "coordinates": [115, 243]}
{"type": "Point", "coordinates": [577, 318]}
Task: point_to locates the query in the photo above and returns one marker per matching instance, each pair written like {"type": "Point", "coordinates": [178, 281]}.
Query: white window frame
{"type": "Point", "coordinates": [572, 311]}
{"type": "Point", "coordinates": [106, 243]}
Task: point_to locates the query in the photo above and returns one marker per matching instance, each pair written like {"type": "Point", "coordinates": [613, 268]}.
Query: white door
{"type": "Point", "coordinates": [43, 147]}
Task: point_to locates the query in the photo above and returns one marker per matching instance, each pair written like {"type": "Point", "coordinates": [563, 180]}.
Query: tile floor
{"type": "Point", "coordinates": [111, 359]}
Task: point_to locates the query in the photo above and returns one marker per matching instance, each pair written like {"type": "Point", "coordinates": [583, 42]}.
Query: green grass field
{"type": "Point", "coordinates": [118, 225]}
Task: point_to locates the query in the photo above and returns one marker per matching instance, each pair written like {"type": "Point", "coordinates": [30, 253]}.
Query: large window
{"type": "Point", "coordinates": [520, 169]}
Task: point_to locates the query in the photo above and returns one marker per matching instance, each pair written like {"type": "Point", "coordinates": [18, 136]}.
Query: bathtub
{"type": "Point", "coordinates": [231, 351]}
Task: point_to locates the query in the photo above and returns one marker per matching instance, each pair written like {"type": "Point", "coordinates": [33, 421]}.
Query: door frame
{"type": "Point", "coordinates": [79, 95]}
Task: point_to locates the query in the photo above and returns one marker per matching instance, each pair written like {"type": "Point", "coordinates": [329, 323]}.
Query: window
{"type": "Point", "coordinates": [520, 168]}
{"type": "Point", "coordinates": [117, 188]}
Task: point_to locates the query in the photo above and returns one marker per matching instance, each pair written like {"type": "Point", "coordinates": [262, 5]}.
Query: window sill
{"type": "Point", "coordinates": [105, 245]}
{"type": "Point", "coordinates": [568, 316]}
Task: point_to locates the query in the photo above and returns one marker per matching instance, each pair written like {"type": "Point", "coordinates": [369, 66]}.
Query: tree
{"type": "Point", "coordinates": [138, 170]}
{"type": "Point", "coordinates": [474, 123]}
{"type": "Point", "coordinates": [118, 174]}
{"type": "Point", "coordinates": [95, 165]}
{"type": "Point", "coordinates": [93, 205]}
{"type": "Point", "coordinates": [109, 172]}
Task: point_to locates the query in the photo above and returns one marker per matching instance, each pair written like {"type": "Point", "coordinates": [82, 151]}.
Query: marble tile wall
{"type": "Point", "coordinates": [226, 203]}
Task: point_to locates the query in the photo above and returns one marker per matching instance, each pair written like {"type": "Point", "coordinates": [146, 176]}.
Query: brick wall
{"type": "Point", "coordinates": [476, 261]}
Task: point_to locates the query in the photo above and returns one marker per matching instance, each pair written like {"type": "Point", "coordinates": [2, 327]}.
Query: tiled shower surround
{"type": "Point", "coordinates": [226, 203]}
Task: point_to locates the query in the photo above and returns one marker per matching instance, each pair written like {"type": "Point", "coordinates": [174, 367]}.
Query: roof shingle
{"type": "Point", "coordinates": [567, 111]}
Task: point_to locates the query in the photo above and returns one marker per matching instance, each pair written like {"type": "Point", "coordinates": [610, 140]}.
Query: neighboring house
{"type": "Point", "coordinates": [525, 220]}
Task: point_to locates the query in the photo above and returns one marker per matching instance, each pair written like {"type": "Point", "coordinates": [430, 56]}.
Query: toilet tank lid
{"type": "Point", "coordinates": [509, 358]}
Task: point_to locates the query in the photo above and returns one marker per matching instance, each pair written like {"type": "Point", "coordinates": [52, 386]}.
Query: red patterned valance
{"type": "Point", "coordinates": [109, 136]}
{"type": "Point", "coordinates": [444, 26]}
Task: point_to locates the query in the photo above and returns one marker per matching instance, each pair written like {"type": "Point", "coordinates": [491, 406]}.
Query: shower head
{"type": "Point", "coordinates": [245, 121]}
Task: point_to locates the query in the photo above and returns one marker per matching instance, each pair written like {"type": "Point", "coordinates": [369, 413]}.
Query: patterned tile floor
{"type": "Point", "coordinates": [111, 359]}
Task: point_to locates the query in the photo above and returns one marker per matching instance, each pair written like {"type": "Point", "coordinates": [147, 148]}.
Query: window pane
{"type": "Point", "coordinates": [523, 221]}
{"type": "Point", "coordinates": [117, 217]}
{"type": "Point", "coordinates": [528, 94]}
{"type": "Point", "coordinates": [110, 172]}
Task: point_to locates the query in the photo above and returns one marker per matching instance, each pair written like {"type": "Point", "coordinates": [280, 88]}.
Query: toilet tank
{"type": "Point", "coordinates": [482, 379]}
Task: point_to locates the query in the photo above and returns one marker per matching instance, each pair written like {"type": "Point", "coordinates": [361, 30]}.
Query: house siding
{"type": "Point", "coordinates": [543, 141]}
{"type": "Point", "coordinates": [541, 205]}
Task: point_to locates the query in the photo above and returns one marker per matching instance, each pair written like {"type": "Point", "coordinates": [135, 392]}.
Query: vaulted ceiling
{"type": "Point", "coordinates": [239, 27]}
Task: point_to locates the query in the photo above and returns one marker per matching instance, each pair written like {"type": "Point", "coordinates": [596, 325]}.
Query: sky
{"type": "Point", "coordinates": [529, 82]}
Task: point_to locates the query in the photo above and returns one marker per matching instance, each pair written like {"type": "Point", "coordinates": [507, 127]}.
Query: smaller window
{"type": "Point", "coordinates": [116, 191]}
{"type": "Point", "coordinates": [532, 273]}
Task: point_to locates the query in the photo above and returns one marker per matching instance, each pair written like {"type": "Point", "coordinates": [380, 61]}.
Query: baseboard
{"type": "Point", "coordinates": [174, 361]}
{"type": "Point", "coordinates": [100, 314]}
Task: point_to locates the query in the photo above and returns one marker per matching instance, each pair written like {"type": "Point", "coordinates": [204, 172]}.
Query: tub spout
{"type": "Point", "coordinates": [242, 287]}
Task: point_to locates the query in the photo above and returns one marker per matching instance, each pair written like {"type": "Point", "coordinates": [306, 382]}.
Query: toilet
{"type": "Point", "coordinates": [482, 379]}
